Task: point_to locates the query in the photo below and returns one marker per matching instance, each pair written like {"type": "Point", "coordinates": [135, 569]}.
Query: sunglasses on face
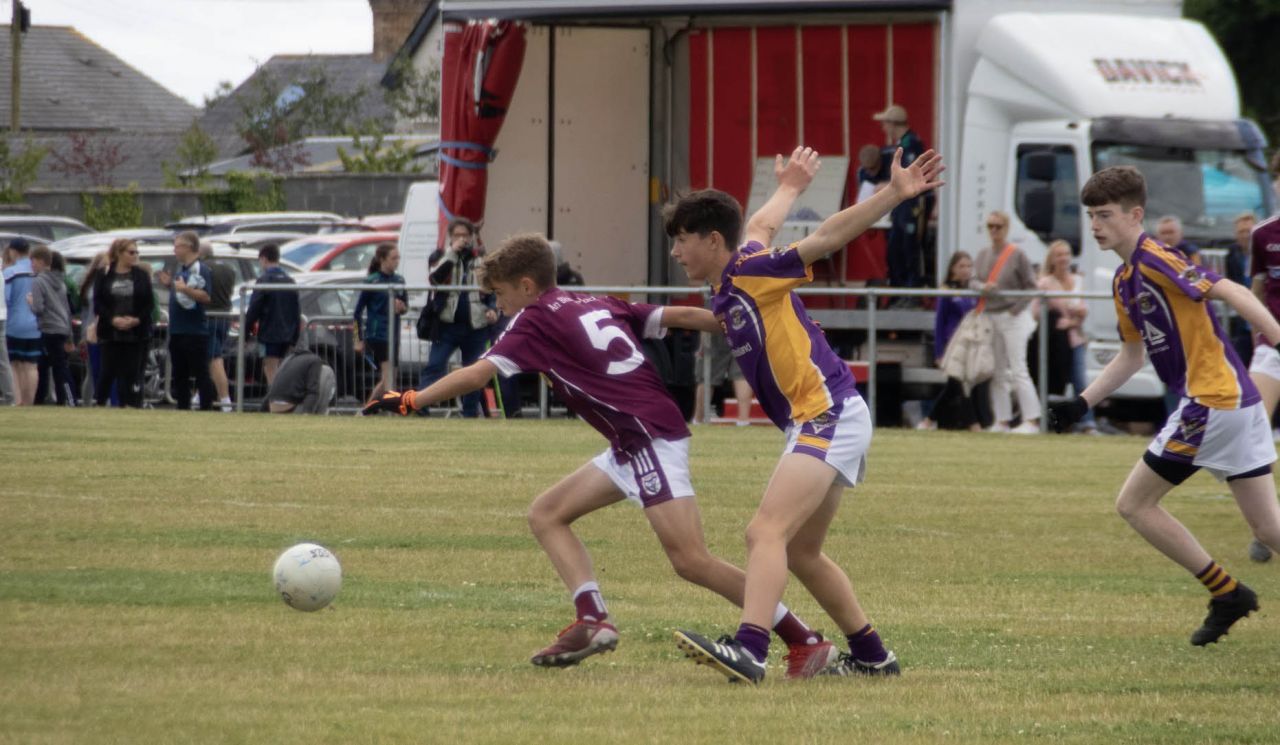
{"type": "Point", "coordinates": [995, 226]}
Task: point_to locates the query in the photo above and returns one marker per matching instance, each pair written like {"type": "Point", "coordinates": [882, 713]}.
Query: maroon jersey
{"type": "Point", "coordinates": [587, 348]}
{"type": "Point", "coordinates": [1266, 261]}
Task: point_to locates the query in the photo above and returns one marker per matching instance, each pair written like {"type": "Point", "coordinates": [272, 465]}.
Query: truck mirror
{"type": "Point", "coordinates": [1041, 166]}
{"type": "Point", "coordinates": [1037, 210]}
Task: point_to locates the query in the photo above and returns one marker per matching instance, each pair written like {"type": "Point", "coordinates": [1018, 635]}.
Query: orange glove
{"type": "Point", "coordinates": [393, 401]}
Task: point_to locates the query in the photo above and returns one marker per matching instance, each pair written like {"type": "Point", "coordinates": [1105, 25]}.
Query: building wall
{"type": "Point", "coordinates": [755, 91]}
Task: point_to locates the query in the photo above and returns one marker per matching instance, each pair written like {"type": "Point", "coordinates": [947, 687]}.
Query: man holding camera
{"type": "Point", "coordinates": [458, 320]}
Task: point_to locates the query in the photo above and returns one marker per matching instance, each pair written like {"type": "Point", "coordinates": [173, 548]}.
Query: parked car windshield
{"type": "Point", "coordinates": [305, 253]}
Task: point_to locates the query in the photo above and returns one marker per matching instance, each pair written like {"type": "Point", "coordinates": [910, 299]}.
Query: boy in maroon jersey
{"type": "Point", "coordinates": [588, 349]}
{"type": "Point", "coordinates": [1264, 369]}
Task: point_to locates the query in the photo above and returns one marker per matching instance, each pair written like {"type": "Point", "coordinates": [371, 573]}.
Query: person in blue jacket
{"type": "Point", "coordinates": [372, 334]}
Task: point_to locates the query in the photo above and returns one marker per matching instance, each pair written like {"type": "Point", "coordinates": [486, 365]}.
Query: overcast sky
{"type": "Point", "coordinates": [188, 46]}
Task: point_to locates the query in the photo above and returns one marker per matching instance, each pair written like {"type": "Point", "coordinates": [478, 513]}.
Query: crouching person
{"type": "Point", "coordinates": [304, 384]}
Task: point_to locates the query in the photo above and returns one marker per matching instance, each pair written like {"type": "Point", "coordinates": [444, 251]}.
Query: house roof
{"type": "Point", "coordinates": [69, 83]}
{"type": "Point", "coordinates": [142, 153]}
{"type": "Point", "coordinates": [322, 154]}
{"type": "Point", "coordinates": [347, 74]}
{"type": "Point", "coordinates": [535, 9]}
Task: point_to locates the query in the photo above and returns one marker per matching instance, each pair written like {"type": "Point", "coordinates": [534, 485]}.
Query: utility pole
{"type": "Point", "coordinates": [18, 26]}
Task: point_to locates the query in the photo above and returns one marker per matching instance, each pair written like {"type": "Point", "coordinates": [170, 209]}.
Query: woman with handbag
{"type": "Point", "coordinates": [959, 406]}
{"type": "Point", "coordinates": [1006, 268]}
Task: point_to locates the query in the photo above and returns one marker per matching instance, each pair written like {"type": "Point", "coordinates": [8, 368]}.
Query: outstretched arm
{"type": "Point", "coordinates": [1246, 303]}
{"type": "Point", "coordinates": [836, 231]}
{"type": "Point", "coordinates": [473, 377]}
{"type": "Point", "coordinates": [689, 317]}
{"type": "Point", "coordinates": [794, 176]}
{"type": "Point", "coordinates": [1128, 362]}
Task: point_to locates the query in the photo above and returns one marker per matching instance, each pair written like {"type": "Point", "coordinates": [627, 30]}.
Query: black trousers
{"type": "Point", "coordinates": [123, 364]}
{"type": "Point", "coordinates": [189, 358]}
{"type": "Point", "coordinates": [55, 354]}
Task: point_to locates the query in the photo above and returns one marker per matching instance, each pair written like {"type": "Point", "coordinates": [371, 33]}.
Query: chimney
{"type": "Point", "coordinates": [393, 20]}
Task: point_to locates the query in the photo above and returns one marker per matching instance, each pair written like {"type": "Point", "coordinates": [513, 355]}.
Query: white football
{"type": "Point", "coordinates": [307, 577]}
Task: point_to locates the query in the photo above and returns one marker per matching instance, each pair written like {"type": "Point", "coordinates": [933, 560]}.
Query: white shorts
{"type": "Point", "coordinates": [658, 473]}
{"type": "Point", "coordinates": [840, 438]}
{"type": "Point", "coordinates": [1224, 442]}
{"type": "Point", "coordinates": [1266, 361]}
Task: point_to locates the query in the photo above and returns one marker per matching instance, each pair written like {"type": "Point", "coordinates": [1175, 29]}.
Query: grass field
{"type": "Point", "coordinates": [135, 602]}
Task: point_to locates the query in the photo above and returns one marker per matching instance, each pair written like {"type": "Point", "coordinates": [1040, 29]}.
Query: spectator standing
{"type": "Point", "coordinates": [123, 304]}
{"type": "Point", "coordinates": [954, 408]}
{"type": "Point", "coordinates": [905, 252]}
{"type": "Point", "coordinates": [1169, 232]}
{"type": "Point", "coordinates": [1013, 323]}
{"type": "Point", "coordinates": [463, 318]}
{"type": "Point", "coordinates": [302, 385]}
{"type": "Point", "coordinates": [1067, 316]}
{"type": "Point", "coordinates": [88, 324]}
{"type": "Point", "coordinates": [6, 372]}
{"type": "Point", "coordinates": [276, 315]}
{"type": "Point", "coordinates": [48, 299]}
{"type": "Point", "coordinates": [1238, 254]}
{"type": "Point", "coordinates": [22, 333]}
{"type": "Point", "coordinates": [372, 335]}
{"type": "Point", "coordinates": [224, 284]}
{"type": "Point", "coordinates": [724, 369]}
{"type": "Point", "coordinates": [188, 323]}
{"type": "Point", "coordinates": [872, 173]}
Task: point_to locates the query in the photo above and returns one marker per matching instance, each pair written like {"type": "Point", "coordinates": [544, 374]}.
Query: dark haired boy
{"type": "Point", "coordinates": [804, 388]}
{"type": "Point", "coordinates": [1220, 423]}
{"type": "Point", "coordinates": [277, 316]}
{"type": "Point", "coordinates": [588, 348]}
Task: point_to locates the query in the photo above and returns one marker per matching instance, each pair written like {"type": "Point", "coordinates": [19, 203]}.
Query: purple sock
{"type": "Point", "coordinates": [865, 645]}
{"type": "Point", "coordinates": [754, 639]}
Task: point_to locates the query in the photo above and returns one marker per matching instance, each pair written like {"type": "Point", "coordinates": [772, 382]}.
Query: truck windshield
{"type": "Point", "coordinates": [1206, 188]}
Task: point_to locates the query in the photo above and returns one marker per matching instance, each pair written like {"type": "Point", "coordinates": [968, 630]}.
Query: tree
{"type": "Point", "coordinates": [223, 91]}
{"type": "Point", "coordinates": [18, 169]}
{"type": "Point", "coordinates": [196, 151]}
{"type": "Point", "coordinates": [276, 115]}
{"type": "Point", "coordinates": [1246, 30]}
{"type": "Point", "coordinates": [93, 158]}
{"type": "Point", "coordinates": [414, 94]}
{"type": "Point", "coordinates": [372, 157]}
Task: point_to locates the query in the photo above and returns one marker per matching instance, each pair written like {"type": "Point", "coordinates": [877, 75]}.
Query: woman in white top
{"type": "Point", "coordinates": [1056, 276]}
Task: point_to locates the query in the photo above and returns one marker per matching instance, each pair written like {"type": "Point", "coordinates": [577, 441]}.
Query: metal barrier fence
{"type": "Point", "coordinates": [330, 335]}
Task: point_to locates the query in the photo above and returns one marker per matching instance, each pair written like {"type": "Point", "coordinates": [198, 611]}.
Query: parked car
{"type": "Point", "coordinates": [47, 227]}
{"type": "Point", "coordinates": [391, 221]}
{"type": "Point", "coordinates": [338, 251]}
{"type": "Point", "coordinates": [328, 317]}
{"type": "Point", "coordinates": [6, 238]}
{"type": "Point", "coordinates": [252, 241]}
{"type": "Point", "coordinates": [301, 222]}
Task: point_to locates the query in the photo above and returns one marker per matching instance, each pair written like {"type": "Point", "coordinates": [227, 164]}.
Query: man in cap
{"type": "Point", "coordinates": [904, 252]}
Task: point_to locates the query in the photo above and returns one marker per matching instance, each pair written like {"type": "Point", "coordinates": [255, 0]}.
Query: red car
{"type": "Point", "coordinates": [316, 253]}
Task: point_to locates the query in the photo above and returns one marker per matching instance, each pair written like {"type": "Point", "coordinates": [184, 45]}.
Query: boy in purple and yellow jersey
{"type": "Point", "coordinates": [1219, 425]}
{"type": "Point", "coordinates": [804, 388]}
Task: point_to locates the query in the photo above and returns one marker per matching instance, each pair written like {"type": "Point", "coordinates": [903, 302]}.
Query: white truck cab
{"type": "Point", "coordinates": [1054, 97]}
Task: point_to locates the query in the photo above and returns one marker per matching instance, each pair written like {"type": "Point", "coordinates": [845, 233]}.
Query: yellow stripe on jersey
{"type": "Point", "coordinates": [813, 442]}
{"type": "Point", "coordinates": [789, 351]}
{"type": "Point", "coordinates": [1128, 332]}
{"type": "Point", "coordinates": [1181, 448]}
{"type": "Point", "coordinates": [1211, 380]}
{"type": "Point", "coordinates": [1175, 261]}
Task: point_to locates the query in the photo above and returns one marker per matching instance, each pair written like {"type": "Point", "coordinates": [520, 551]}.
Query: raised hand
{"type": "Point", "coordinates": [392, 401]}
{"type": "Point", "coordinates": [798, 170]}
{"type": "Point", "coordinates": [919, 177]}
